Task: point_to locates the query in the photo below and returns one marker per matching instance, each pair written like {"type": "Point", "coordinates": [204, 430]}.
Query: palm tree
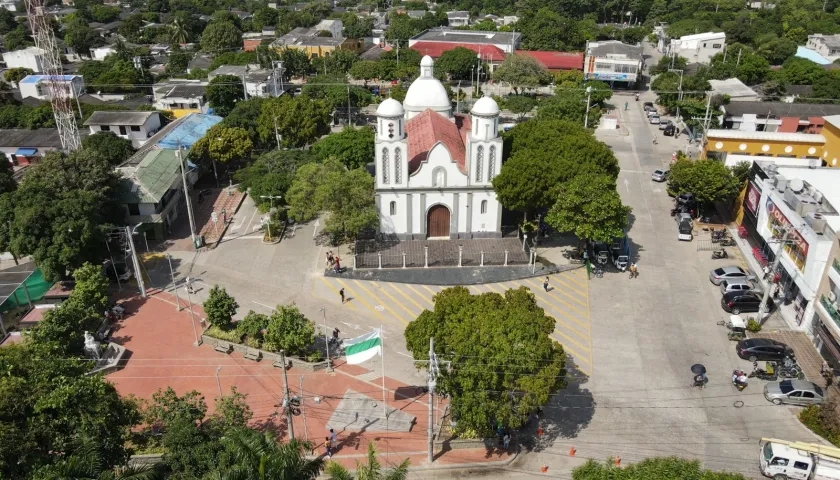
{"type": "Point", "coordinates": [370, 471]}
{"type": "Point", "coordinates": [87, 465]}
{"type": "Point", "coordinates": [178, 32]}
{"type": "Point", "coordinates": [257, 456]}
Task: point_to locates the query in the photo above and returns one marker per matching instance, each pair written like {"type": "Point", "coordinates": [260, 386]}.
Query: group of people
{"type": "Point", "coordinates": [333, 262]}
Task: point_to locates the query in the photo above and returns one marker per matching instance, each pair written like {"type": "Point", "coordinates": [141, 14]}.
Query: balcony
{"type": "Point", "coordinates": [836, 266]}
{"type": "Point", "coordinates": [830, 309]}
{"type": "Point", "coordinates": [834, 272]}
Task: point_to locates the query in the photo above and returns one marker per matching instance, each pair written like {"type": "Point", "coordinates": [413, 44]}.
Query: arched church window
{"type": "Point", "coordinates": [479, 163]}
{"type": "Point", "coordinates": [385, 178]}
{"type": "Point", "coordinates": [397, 165]}
{"type": "Point", "coordinates": [393, 207]}
{"type": "Point", "coordinates": [491, 163]}
{"type": "Point", "coordinates": [484, 206]}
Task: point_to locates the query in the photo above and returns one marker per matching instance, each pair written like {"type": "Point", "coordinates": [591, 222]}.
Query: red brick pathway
{"type": "Point", "coordinates": [160, 339]}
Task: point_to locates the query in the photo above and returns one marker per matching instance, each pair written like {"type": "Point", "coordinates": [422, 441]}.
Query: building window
{"type": "Point", "coordinates": [104, 128]}
{"type": "Point", "coordinates": [385, 179]}
{"type": "Point", "coordinates": [122, 130]}
{"type": "Point", "coordinates": [715, 45]}
{"type": "Point", "coordinates": [491, 164]}
{"type": "Point", "coordinates": [484, 206]}
{"type": "Point", "coordinates": [397, 165]}
{"type": "Point", "coordinates": [479, 164]}
{"type": "Point", "coordinates": [133, 209]}
{"type": "Point", "coordinates": [393, 207]}
{"type": "Point", "coordinates": [604, 67]}
{"type": "Point", "coordinates": [135, 128]}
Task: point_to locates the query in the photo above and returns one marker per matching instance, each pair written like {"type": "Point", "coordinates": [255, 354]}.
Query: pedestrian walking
{"type": "Point", "coordinates": [333, 438]}
{"type": "Point", "coordinates": [506, 441]}
{"type": "Point", "coordinates": [635, 271]}
{"type": "Point", "coordinates": [328, 446]}
{"type": "Point", "coordinates": [545, 284]}
{"type": "Point", "coordinates": [341, 292]}
{"type": "Point", "coordinates": [329, 259]}
{"type": "Point", "coordinates": [189, 286]}
{"type": "Point", "coordinates": [337, 265]}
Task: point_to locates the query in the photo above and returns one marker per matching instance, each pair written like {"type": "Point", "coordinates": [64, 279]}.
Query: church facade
{"type": "Point", "coordinates": [434, 168]}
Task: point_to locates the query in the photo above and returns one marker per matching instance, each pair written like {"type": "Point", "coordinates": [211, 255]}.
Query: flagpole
{"type": "Point", "coordinates": [384, 396]}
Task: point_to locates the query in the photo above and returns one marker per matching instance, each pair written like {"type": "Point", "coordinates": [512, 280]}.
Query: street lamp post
{"type": "Point", "coordinates": [327, 340]}
{"type": "Point", "coordinates": [588, 98]}
{"type": "Point", "coordinates": [679, 89]}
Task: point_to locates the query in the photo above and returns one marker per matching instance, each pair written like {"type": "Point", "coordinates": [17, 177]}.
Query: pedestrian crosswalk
{"type": "Point", "coordinates": [397, 304]}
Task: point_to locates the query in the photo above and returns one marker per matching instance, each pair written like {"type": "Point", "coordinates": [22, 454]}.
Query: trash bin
{"type": "Point", "coordinates": [199, 241]}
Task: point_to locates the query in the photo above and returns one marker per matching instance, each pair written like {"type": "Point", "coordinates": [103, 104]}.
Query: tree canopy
{"type": "Point", "coordinates": [664, 468]}
{"type": "Point", "coordinates": [457, 63]}
{"type": "Point", "coordinates": [521, 72]}
{"type": "Point", "coordinates": [223, 92]}
{"type": "Point", "coordinates": [299, 120]}
{"type": "Point", "coordinates": [109, 146]}
{"type": "Point", "coordinates": [220, 307]}
{"type": "Point", "coordinates": [504, 364]}
{"type": "Point", "coordinates": [271, 175]}
{"type": "Point", "coordinates": [352, 146]}
{"type": "Point", "coordinates": [589, 206]}
{"type": "Point", "coordinates": [220, 36]}
{"type": "Point", "coordinates": [709, 180]}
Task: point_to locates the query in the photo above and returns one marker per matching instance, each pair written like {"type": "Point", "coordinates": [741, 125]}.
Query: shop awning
{"type": "Point", "coordinates": [26, 152]}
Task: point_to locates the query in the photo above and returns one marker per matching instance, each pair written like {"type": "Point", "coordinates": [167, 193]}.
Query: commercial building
{"type": "Point", "coordinates": [735, 89]}
{"type": "Point", "coordinates": [181, 97]}
{"type": "Point", "coordinates": [803, 202]}
{"type": "Point", "coordinates": [776, 116]}
{"type": "Point", "coordinates": [135, 126]}
{"type": "Point", "coordinates": [41, 86]}
{"type": "Point", "coordinates": [831, 132]}
{"type": "Point", "coordinates": [556, 61]}
{"type": "Point", "coordinates": [507, 42]}
{"type": "Point", "coordinates": [827, 46]}
{"type": "Point", "coordinates": [698, 48]}
{"type": "Point", "coordinates": [611, 61]}
{"type": "Point", "coordinates": [720, 143]}
{"type": "Point", "coordinates": [30, 57]}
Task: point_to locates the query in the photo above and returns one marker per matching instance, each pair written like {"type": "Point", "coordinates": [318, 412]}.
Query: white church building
{"type": "Point", "coordinates": [434, 168]}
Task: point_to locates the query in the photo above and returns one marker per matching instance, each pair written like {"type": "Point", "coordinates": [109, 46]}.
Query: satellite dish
{"type": "Point", "coordinates": [796, 185]}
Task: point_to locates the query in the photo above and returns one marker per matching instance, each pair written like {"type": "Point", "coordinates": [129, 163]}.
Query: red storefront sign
{"type": "Point", "coordinates": [752, 198]}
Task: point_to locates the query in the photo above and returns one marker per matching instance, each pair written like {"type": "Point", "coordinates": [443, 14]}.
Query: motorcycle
{"type": "Point", "coordinates": [718, 254]}
{"type": "Point", "coordinates": [727, 242]}
{"type": "Point", "coordinates": [736, 382]}
{"type": "Point", "coordinates": [763, 374]}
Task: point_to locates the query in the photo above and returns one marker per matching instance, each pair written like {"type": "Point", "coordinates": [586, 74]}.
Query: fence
{"type": "Point", "coordinates": [371, 254]}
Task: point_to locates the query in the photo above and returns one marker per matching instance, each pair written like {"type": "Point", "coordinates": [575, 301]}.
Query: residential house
{"type": "Point", "coordinates": [200, 61]}
{"type": "Point", "coordinates": [827, 46]}
{"type": "Point", "coordinates": [29, 57]}
{"type": "Point", "coordinates": [507, 42]}
{"type": "Point", "coordinates": [252, 40]}
{"type": "Point", "coordinates": [612, 61]}
{"type": "Point", "coordinates": [458, 18]}
{"type": "Point", "coordinates": [100, 53]}
{"type": "Point", "coordinates": [135, 126]}
{"type": "Point", "coordinates": [41, 86]}
{"type": "Point", "coordinates": [310, 42]}
{"type": "Point", "coordinates": [735, 89]}
{"type": "Point", "coordinates": [259, 82]}
{"type": "Point", "coordinates": [182, 97]}
{"type": "Point", "coordinates": [24, 147]}
{"type": "Point", "coordinates": [698, 48]}
{"type": "Point", "coordinates": [556, 61]}
{"type": "Point", "coordinates": [9, 5]}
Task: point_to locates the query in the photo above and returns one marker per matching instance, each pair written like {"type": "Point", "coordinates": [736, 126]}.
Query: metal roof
{"type": "Point", "coordinates": [766, 136]}
{"type": "Point", "coordinates": [468, 36]}
{"type": "Point", "coordinates": [14, 277]}
{"type": "Point", "coordinates": [119, 118]}
{"type": "Point", "coordinates": [732, 87]}
{"type": "Point", "coordinates": [41, 137]}
{"type": "Point", "coordinates": [47, 78]}
{"type": "Point", "coordinates": [614, 47]}
{"type": "Point", "coordinates": [152, 178]}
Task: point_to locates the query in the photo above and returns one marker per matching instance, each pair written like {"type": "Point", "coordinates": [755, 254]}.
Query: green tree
{"type": "Point", "coordinates": [271, 175]}
{"type": "Point", "coordinates": [80, 37]}
{"type": "Point", "coordinates": [86, 465]}
{"type": "Point", "coordinates": [303, 190]}
{"type": "Point", "coordinates": [775, 49]}
{"type": "Point", "coordinates": [663, 468]}
{"type": "Point", "coordinates": [178, 33]}
{"type": "Point", "coordinates": [260, 457]}
{"type": "Point", "coordinates": [220, 36]}
{"type": "Point", "coordinates": [366, 70]}
{"type": "Point", "coordinates": [600, 91]}
{"type": "Point", "coordinates": [7, 21]}
{"type": "Point", "coordinates": [299, 120]}
{"type": "Point", "coordinates": [223, 92]}
{"type": "Point", "coordinates": [220, 308]}
{"type": "Point", "coordinates": [741, 171]}
{"type": "Point", "coordinates": [226, 144]}
{"type": "Point", "coordinates": [7, 181]}
{"type": "Point", "coordinates": [17, 39]}
{"type": "Point", "coordinates": [7, 215]}
{"type": "Point", "coordinates": [486, 337]}
{"type": "Point", "coordinates": [457, 63]}
{"type": "Point", "coordinates": [709, 180]}
{"type": "Point", "coordinates": [828, 86]}
{"type": "Point", "coordinates": [521, 72]}
{"type": "Point", "coordinates": [569, 105]}
{"type": "Point", "coordinates": [800, 71]}
{"type": "Point", "coordinates": [63, 208]}
{"type": "Point", "coordinates": [337, 92]}
{"type": "Point", "coordinates": [352, 146]}
{"type": "Point", "coordinates": [549, 30]}
{"type": "Point", "coordinates": [289, 330]}
{"type": "Point", "coordinates": [589, 206]}
{"type": "Point", "coordinates": [520, 105]}
{"type": "Point", "coordinates": [295, 63]}
{"type": "Point", "coordinates": [15, 75]}
{"type": "Point", "coordinates": [245, 115]}
{"type": "Point", "coordinates": [369, 470]}
{"type": "Point", "coordinates": [355, 27]}
{"type": "Point", "coordinates": [109, 146]}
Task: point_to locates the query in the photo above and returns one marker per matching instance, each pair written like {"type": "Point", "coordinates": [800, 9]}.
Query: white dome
{"type": "Point", "coordinates": [390, 108]}
{"type": "Point", "coordinates": [427, 61]}
{"type": "Point", "coordinates": [427, 92]}
{"type": "Point", "coordinates": [485, 106]}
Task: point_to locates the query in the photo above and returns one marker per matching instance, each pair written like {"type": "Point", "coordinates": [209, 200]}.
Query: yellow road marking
{"type": "Point", "coordinates": [578, 356]}
{"type": "Point", "coordinates": [369, 306]}
{"type": "Point", "coordinates": [494, 287]}
{"type": "Point", "coordinates": [589, 315]}
{"type": "Point", "coordinates": [430, 290]}
{"type": "Point", "coordinates": [410, 313]}
{"type": "Point", "coordinates": [329, 285]}
{"type": "Point", "coordinates": [407, 297]}
{"type": "Point", "coordinates": [577, 330]}
{"type": "Point", "coordinates": [557, 297]}
{"type": "Point", "coordinates": [394, 313]}
{"type": "Point", "coordinates": [421, 295]}
{"type": "Point", "coordinates": [575, 286]}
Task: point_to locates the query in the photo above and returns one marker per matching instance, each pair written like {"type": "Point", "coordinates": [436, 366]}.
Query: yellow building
{"type": "Point", "coordinates": [720, 143]}
{"type": "Point", "coordinates": [315, 47]}
{"type": "Point", "coordinates": [831, 132]}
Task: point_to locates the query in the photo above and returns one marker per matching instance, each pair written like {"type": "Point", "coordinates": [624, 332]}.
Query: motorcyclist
{"type": "Point", "coordinates": [637, 97]}
{"type": "Point", "coordinates": [739, 379]}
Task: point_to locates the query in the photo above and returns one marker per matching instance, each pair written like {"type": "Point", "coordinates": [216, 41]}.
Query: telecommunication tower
{"type": "Point", "coordinates": [60, 94]}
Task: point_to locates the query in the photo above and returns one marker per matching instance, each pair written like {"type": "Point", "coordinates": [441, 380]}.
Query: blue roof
{"type": "Point", "coordinates": [811, 55]}
{"type": "Point", "coordinates": [189, 131]}
{"type": "Point", "coordinates": [38, 78]}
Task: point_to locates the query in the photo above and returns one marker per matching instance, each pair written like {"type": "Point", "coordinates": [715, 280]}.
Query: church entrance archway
{"type": "Point", "coordinates": [438, 222]}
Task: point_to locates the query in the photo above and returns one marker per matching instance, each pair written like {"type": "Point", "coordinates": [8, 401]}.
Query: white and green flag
{"type": "Point", "coordinates": [362, 349]}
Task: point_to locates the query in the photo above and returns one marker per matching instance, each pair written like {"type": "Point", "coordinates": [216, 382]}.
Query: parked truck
{"type": "Point", "coordinates": [783, 460]}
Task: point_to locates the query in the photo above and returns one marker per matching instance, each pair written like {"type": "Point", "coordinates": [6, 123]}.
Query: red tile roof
{"type": "Point", "coordinates": [436, 49]}
{"type": "Point", "coordinates": [427, 129]}
{"type": "Point", "coordinates": [556, 60]}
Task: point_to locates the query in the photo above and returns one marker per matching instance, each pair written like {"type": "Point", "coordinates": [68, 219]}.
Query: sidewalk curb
{"type": "Point", "coordinates": [456, 466]}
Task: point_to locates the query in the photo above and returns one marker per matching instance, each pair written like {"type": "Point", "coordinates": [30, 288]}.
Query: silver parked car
{"type": "Point", "coordinates": [797, 392]}
{"type": "Point", "coordinates": [660, 175]}
{"type": "Point", "coordinates": [735, 285]}
{"type": "Point", "coordinates": [731, 272]}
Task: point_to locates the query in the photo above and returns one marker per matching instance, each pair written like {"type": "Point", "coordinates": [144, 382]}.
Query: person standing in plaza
{"type": "Point", "coordinates": [333, 438]}
{"type": "Point", "coordinates": [328, 446]}
{"type": "Point", "coordinates": [506, 441]}
{"type": "Point", "coordinates": [341, 292]}
{"type": "Point", "coordinates": [545, 284]}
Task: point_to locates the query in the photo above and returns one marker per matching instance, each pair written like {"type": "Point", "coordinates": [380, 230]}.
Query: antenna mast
{"type": "Point", "coordinates": [60, 94]}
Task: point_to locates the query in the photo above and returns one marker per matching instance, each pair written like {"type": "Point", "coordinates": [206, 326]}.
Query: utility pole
{"type": "Point", "coordinates": [183, 162]}
{"type": "Point", "coordinates": [276, 133]}
{"type": "Point", "coordinates": [174, 286]}
{"type": "Point", "coordinates": [286, 401]}
{"type": "Point", "coordinates": [434, 371]}
{"type": "Point", "coordinates": [738, 62]}
{"type": "Point", "coordinates": [349, 120]}
{"type": "Point", "coordinates": [129, 232]}
{"type": "Point", "coordinates": [588, 97]}
{"type": "Point", "coordinates": [275, 65]}
{"type": "Point", "coordinates": [327, 340]}
{"type": "Point", "coordinates": [762, 307]}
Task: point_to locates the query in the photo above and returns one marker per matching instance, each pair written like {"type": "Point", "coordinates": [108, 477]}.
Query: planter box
{"type": "Point", "coordinates": [146, 459]}
{"type": "Point", "coordinates": [267, 357]}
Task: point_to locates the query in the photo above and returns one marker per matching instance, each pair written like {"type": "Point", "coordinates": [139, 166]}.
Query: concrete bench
{"type": "Point", "coordinates": [224, 347]}
{"type": "Point", "coordinates": [252, 354]}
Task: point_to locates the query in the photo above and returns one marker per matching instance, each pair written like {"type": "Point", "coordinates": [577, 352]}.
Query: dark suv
{"type": "Point", "coordinates": [737, 302]}
{"type": "Point", "coordinates": [753, 349]}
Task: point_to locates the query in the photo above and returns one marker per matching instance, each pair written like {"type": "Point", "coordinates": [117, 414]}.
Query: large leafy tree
{"type": "Point", "coordinates": [229, 143]}
{"type": "Point", "coordinates": [15, 75]}
{"type": "Point", "coordinates": [800, 71]}
{"type": "Point", "coordinates": [486, 338]}
{"type": "Point", "coordinates": [80, 37]}
{"type": "Point", "coordinates": [371, 469]}
{"type": "Point", "coordinates": [63, 209]}
{"type": "Point", "coordinates": [295, 63]}
{"type": "Point", "coordinates": [548, 30]}
{"type": "Point", "coordinates": [337, 92]}
{"type": "Point", "coordinates": [220, 36]}
{"type": "Point", "coordinates": [709, 180]}
{"type": "Point", "coordinates": [7, 181]}
{"type": "Point", "coordinates": [521, 72]}
{"type": "Point", "coordinates": [223, 92]}
{"type": "Point", "coordinates": [271, 175]}
{"type": "Point", "coordinates": [366, 70]}
{"type": "Point", "coordinates": [299, 120]}
{"type": "Point", "coordinates": [258, 456]}
{"type": "Point", "coordinates": [289, 330]}
{"type": "Point", "coordinates": [109, 146]}
{"type": "Point", "coordinates": [520, 105]}
{"type": "Point", "coordinates": [458, 63]}
{"type": "Point", "coordinates": [589, 206]}
{"type": "Point", "coordinates": [664, 468]}
{"type": "Point", "coordinates": [7, 21]}
{"type": "Point", "coordinates": [569, 105]}
{"type": "Point", "coordinates": [352, 146]}
{"type": "Point", "coordinates": [220, 307]}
